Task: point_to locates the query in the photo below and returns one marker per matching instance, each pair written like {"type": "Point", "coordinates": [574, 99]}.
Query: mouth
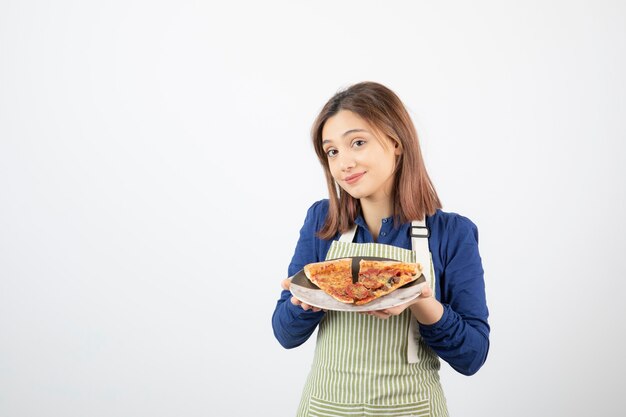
{"type": "Point", "coordinates": [351, 179]}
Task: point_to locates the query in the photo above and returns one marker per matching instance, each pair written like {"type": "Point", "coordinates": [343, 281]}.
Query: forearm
{"type": "Point", "coordinates": [291, 324]}
{"type": "Point", "coordinates": [463, 343]}
{"type": "Point", "coordinates": [427, 311]}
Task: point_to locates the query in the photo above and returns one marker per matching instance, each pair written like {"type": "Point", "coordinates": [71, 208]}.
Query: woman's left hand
{"type": "Point", "coordinates": [426, 297]}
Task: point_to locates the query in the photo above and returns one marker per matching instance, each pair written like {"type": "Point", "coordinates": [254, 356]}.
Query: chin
{"type": "Point", "coordinates": [356, 194]}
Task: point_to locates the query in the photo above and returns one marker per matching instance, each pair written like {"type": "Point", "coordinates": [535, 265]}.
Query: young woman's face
{"type": "Point", "coordinates": [358, 161]}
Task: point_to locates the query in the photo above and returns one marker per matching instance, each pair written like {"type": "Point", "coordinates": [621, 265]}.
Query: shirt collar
{"type": "Point", "coordinates": [360, 221]}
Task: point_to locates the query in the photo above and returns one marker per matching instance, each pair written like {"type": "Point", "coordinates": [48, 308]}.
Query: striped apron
{"type": "Point", "coordinates": [362, 364]}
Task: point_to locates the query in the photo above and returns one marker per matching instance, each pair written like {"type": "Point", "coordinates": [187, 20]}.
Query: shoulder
{"type": "Point", "coordinates": [453, 237]}
{"type": "Point", "coordinates": [451, 226]}
{"type": "Point", "coordinates": [317, 212]}
{"type": "Point", "coordinates": [316, 216]}
{"type": "Point", "coordinates": [319, 208]}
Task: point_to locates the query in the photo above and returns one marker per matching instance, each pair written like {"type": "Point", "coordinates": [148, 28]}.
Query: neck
{"type": "Point", "coordinates": [374, 211]}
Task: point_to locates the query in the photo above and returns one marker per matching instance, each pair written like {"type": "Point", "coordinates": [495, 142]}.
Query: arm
{"type": "Point", "coordinates": [461, 335]}
{"type": "Point", "coordinates": [293, 325]}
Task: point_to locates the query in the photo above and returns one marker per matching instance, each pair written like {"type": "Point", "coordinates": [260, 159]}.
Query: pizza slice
{"type": "Point", "coordinates": [384, 277]}
{"type": "Point", "coordinates": [333, 277]}
{"type": "Point", "coordinates": [360, 293]}
{"type": "Point", "coordinates": [376, 278]}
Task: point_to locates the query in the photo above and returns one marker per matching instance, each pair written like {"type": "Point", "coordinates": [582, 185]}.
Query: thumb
{"type": "Point", "coordinates": [426, 291]}
{"type": "Point", "coordinates": [286, 284]}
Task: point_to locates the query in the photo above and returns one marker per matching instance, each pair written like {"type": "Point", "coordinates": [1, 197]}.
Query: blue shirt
{"type": "Point", "coordinates": [460, 337]}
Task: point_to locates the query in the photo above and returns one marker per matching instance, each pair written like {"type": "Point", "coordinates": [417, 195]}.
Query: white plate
{"type": "Point", "coordinates": [307, 292]}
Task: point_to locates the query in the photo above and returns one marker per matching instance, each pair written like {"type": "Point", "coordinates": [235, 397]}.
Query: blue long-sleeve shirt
{"type": "Point", "coordinates": [460, 337]}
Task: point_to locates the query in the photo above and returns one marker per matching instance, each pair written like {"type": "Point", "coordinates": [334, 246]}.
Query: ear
{"type": "Point", "coordinates": [398, 150]}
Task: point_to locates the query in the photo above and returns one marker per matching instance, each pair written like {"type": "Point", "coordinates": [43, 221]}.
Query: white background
{"type": "Point", "coordinates": [151, 152]}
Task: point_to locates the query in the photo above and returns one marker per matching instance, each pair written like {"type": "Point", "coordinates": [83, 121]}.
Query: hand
{"type": "Point", "coordinates": [425, 308]}
{"type": "Point", "coordinates": [388, 312]}
{"type": "Point", "coordinates": [286, 284]}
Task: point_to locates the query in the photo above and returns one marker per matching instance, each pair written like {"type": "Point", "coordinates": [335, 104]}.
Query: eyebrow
{"type": "Point", "coordinates": [346, 133]}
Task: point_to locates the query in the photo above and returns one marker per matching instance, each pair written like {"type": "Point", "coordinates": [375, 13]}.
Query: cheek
{"type": "Point", "coordinates": [334, 171]}
{"type": "Point", "coordinates": [390, 162]}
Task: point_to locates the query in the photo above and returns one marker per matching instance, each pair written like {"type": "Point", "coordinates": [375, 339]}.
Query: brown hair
{"type": "Point", "coordinates": [414, 195]}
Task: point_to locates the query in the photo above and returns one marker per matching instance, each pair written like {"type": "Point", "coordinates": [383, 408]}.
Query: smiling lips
{"type": "Point", "coordinates": [353, 178]}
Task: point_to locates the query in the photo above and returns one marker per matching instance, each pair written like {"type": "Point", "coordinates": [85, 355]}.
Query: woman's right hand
{"type": "Point", "coordinates": [286, 284]}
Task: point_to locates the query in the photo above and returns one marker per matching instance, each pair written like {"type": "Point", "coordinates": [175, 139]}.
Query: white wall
{"type": "Point", "coordinates": [152, 152]}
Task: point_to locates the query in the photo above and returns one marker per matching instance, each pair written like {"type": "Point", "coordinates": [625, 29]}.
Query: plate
{"type": "Point", "coordinates": [309, 293]}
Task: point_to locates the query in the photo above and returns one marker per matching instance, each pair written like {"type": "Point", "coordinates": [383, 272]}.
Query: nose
{"type": "Point", "coordinates": [346, 161]}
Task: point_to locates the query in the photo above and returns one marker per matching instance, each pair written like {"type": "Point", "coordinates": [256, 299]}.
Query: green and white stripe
{"type": "Point", "coordinates": [360, 367]}
{"type": "Point", "coordinates": [324, 408]}
{"type": "Point", "coordinates": [348, 249]}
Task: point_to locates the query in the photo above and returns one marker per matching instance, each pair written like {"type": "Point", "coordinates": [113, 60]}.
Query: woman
{"type": "Point", "coordinates": [381, 198]}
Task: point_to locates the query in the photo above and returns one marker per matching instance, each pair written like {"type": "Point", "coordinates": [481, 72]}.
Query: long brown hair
{"type": "Point", "coordinates": [414, 195]}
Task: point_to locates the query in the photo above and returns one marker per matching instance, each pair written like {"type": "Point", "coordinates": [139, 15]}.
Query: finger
{"type": "Point", "coordinates": [304, 306]}
{"type": "Point", "coordinates": [295, 301]}
{"type": "Point", "coordinates": [286, 284]}
{"type": "Point", "coordinates": [380, 314]}
{"type": "Point", "coordinates": [426, 292]}
{"type": "Point", "coordinates": [307, 307]}
{"type": "Point", "coordinates": [394, 311]}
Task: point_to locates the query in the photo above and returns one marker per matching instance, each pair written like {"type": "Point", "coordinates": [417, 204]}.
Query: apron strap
{"type": "Point", "coordinates": [349, 235]}
{"type": "Point", "coordinates": [419, 243]}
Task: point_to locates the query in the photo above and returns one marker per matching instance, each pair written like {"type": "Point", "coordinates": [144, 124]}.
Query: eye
{"type": "Point", "coordinates": [358, 143]}
{"type": "Point", "coordinates": [331, 152]}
